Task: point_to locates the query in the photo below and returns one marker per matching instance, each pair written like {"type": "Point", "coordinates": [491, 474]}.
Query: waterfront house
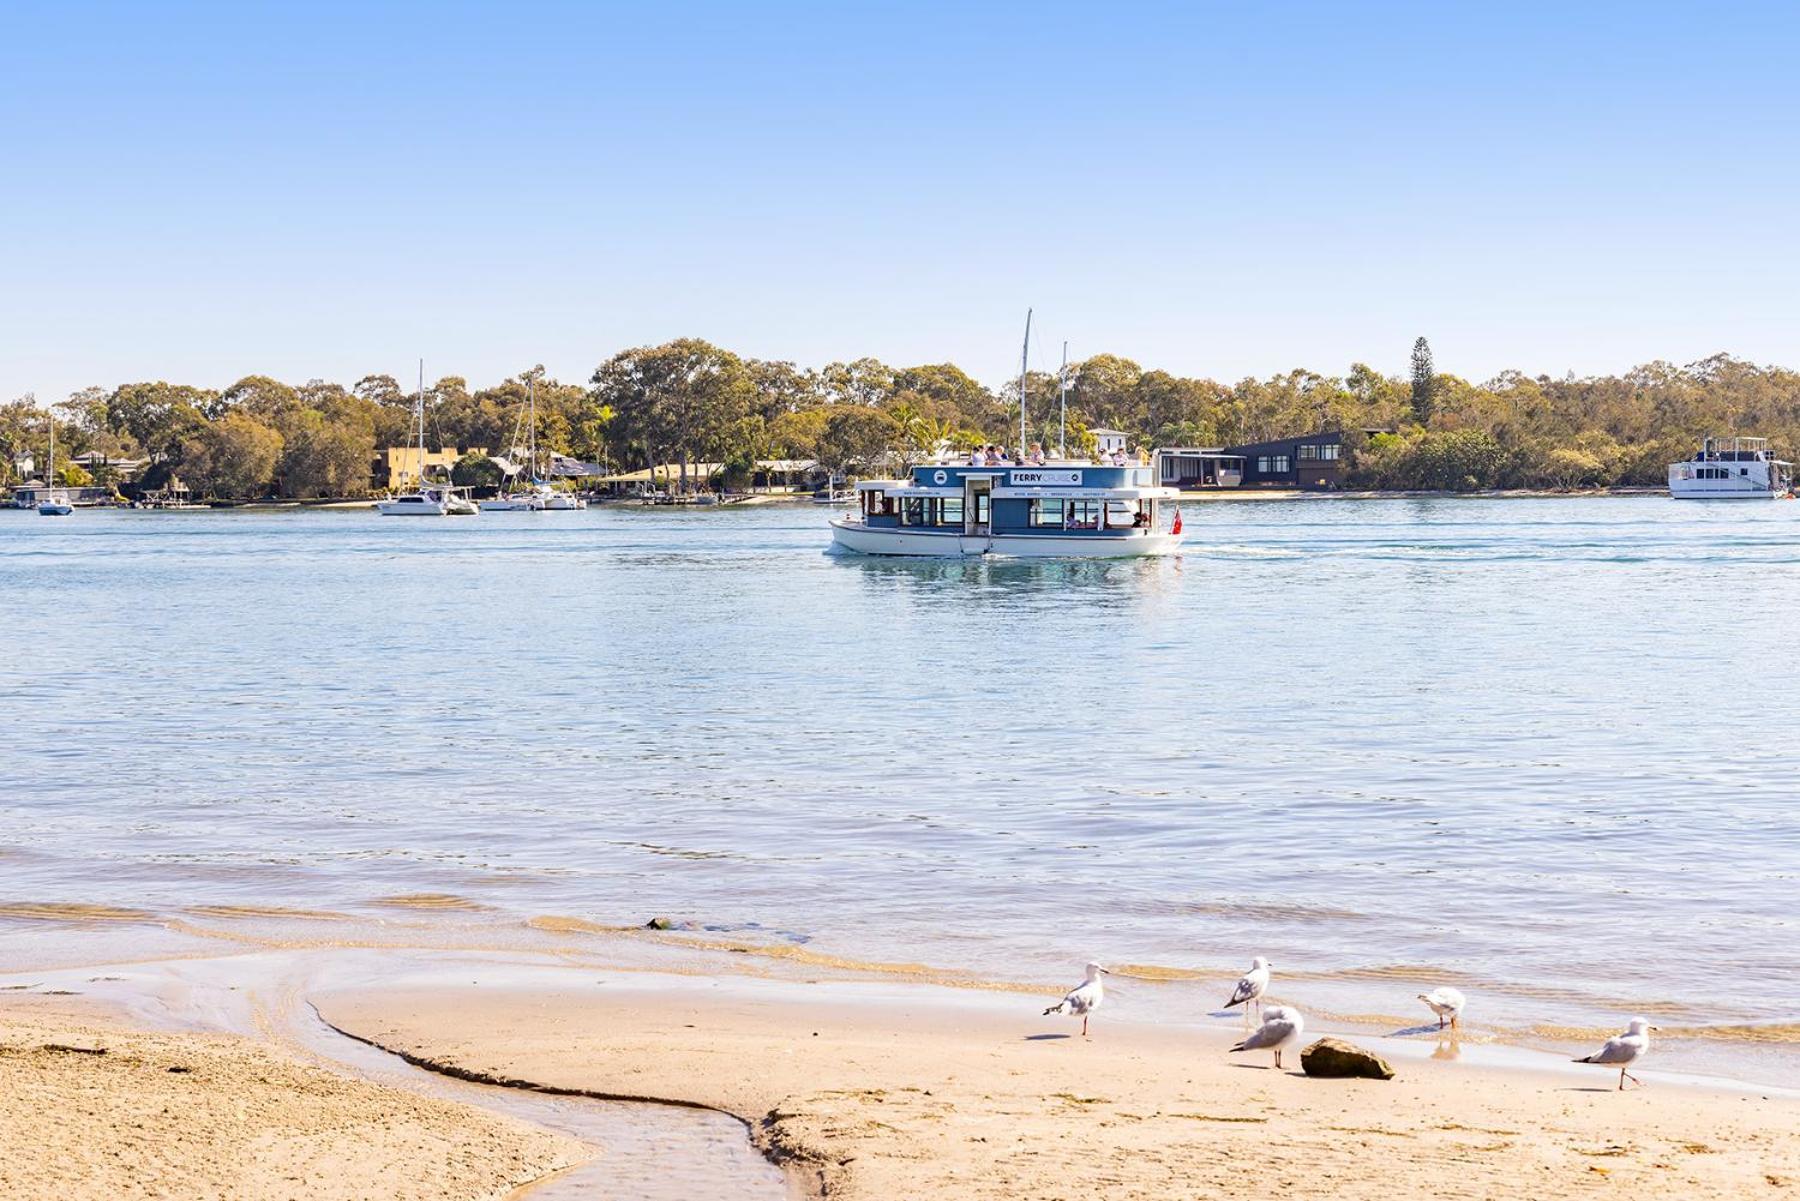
{"type": "Point", "coordinates": [34, 492]}
{"type": "Point", "coordinates": [1192, 468]}
{"type": "Point", "coordinates": [397, 468]}
{"type": "Point", "coordinates": [1310, 461]}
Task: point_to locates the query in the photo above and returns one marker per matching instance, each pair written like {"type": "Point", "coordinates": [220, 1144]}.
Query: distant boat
{"type": "Point", "coordinates": [540, 496]}
{"type": "Point", "coordinates": [431, 500]}
{"type": "Point", "coordinates": [1731, 469]}
{"type": "Point", "coordinates": [54, 504]}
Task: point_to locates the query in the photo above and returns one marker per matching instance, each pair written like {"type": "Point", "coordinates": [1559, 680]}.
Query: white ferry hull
{"type": "Point", "coordinates": [854, 536]}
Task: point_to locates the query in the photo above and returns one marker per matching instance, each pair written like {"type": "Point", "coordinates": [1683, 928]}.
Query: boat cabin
{"type": "Point", "coordinates": [1082, 500]}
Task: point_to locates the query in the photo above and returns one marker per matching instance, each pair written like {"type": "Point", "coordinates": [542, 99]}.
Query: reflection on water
{"type": "Point", "coordinates": [1505, 744]}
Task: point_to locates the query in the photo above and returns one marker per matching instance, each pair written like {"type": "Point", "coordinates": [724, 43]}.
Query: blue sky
{"type": "Point", "coordinates": [196, 192]}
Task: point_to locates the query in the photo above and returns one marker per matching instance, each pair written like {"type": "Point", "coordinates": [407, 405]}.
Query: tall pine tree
{"type": "Point", "coordinates": [1424, 382]}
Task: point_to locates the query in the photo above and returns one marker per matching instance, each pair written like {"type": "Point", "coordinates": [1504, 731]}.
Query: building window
{"type": "Point", "coordinates": [1047, 513]}
{"type": "Point", "coordinates": [1320, 452]}
{"type": "Point", "coordinates": [1274, 465]}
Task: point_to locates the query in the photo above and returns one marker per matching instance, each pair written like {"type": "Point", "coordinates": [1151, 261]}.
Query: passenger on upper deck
{"type": "Point", "coordinates": [978, 456]}
{"type": "Point", "coordinates": [1035, 456]}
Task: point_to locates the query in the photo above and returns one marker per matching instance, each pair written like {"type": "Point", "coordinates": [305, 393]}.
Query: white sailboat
{"type": "Point", "coordinates": [430, 500]}
{"type": "Point", "coordinates": [515, 500]}
{"type": "Point", "coordinates": [53, 503]}
{"type": "Point", "coordinates": [539, 495]}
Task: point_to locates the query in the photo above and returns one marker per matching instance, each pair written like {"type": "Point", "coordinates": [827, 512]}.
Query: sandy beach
{"type": "Point", "coordinates": [898, 1097]}
{"type": "Point", "coordinates": [92, 1109]}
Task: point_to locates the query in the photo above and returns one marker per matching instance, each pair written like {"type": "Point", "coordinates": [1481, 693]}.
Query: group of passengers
{"type": "Point", "coordinates": [998, 456]}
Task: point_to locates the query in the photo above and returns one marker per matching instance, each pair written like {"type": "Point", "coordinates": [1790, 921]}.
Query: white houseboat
{"type": "Point", "coordinates": [1063, 509]}
{"type": "Point", "coordinates": [1731, 469]}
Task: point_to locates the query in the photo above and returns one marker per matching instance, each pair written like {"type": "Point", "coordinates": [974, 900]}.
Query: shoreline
{"type": "Point", "coordinates": [882, 1088]}
{"type": "Point", "coordinates": [1367, 1002]}
{"type": "Point", "coordinates": [758, 500]}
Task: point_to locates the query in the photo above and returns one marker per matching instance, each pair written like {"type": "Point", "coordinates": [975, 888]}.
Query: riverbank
{"type": "Point", "coordinates": [93, 1108]}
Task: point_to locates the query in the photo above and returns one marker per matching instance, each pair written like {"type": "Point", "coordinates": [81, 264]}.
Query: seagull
{"type": "Point", "coordinates": [1281, 1025]}
{"type": "Point", "coordinates": [1251, 988]}
{"type": "Point", "coordinates": [1084, 998]}
{"type": "Point", "coordinates": [1624, 1050]}
{"type": "Point", "coordinates": [1446, 1002]}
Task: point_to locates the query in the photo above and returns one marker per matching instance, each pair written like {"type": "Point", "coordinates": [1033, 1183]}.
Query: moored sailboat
{"type": "Point", "coordinates": [428, 500]}
{"type": "Point", "coordinates": [54, 503]}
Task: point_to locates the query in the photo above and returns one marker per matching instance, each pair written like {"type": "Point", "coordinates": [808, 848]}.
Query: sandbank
{"type": "Point", "coordinates": [920, 1092]}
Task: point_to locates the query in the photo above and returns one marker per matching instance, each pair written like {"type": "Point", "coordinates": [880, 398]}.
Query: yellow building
{"type": "Point", "coordinates": [398, 468]}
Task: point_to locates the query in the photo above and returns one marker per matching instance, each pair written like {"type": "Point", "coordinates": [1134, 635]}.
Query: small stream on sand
{"type": "Point", "coordinates": [644, 1151]}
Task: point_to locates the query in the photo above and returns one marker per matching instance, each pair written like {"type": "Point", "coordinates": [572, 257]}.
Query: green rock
{"type": "Point", "coordinates": [1337, 1058]}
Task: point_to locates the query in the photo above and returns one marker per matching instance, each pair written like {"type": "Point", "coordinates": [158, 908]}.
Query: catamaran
{"type": "Point", "coordinates": [429, 500]}
{"type": "Point", "coordinates": [1731, 469]}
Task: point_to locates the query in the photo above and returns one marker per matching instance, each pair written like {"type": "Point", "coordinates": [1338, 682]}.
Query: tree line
{"type": "Point", "coordinates": [689, 402]}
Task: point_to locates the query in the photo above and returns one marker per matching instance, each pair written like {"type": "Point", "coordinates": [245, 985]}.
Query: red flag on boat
{"type": "Point", "coordinates": [1176, 528]}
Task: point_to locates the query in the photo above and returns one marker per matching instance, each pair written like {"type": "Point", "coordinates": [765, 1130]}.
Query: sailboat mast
{"type": "Point", "coordinates": [1024, 360]}
{"type": "Point", "coordinates": [531, 437]}
{"type": "Point", "coordinates": [1062, 425]}
{"type": "Point", "coordinates": [419, 416]}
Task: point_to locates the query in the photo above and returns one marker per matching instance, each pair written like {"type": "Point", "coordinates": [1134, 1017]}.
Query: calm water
{"type": "Point", "coordinates": [1541, 747]}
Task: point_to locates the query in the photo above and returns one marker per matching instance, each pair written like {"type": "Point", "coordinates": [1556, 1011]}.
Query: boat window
{"type": "Point", "coordinates": [950, 511]}
{"type": "Point", "coordinates": [913, 511]}
{"type": "Point", "coordinates": [1082, 514]}
{"type": "Point", "coordinates": [1047, 512]}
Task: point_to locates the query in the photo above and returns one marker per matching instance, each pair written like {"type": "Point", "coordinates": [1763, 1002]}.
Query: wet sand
{"type": "Point", "coordinates": [91, 1109]}
{"type": "Point", "coordinates": [905, 1092]}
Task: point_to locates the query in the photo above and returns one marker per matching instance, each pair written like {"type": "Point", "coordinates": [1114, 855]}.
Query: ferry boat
{"type": "Point", "coordinates": [1061, 509]}
{"type": "Point", "coordinates": [1731, 469]}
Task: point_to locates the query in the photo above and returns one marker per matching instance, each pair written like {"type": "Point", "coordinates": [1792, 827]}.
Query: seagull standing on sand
{"type": "Point", "coordinates": [1251, 988]}
{"type": "Point", "coordinates": [1624, 1049]}
{"type": "Point", "coordinates": [1084, 998]}
{"type": "Point", "coordinates": [1447, 1003]}
{"type": "Point", "coordinates": [1282, 1026]}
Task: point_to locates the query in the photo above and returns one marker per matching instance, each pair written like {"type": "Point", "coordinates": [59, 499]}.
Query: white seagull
{"type": "Point", "coordinates": [1624, 1049]}
{"type": "Point", "coordinates": [1447, 1003]}
{"type": "Point", "coordinates": [1282, 1026]}
{"type": "Point", "coordinates": [1251, 988]}
{"type": "Point", "coordinates": [1084, 998]}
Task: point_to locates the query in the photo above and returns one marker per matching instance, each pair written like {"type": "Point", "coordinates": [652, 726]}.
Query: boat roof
{"type": "Point", "coordinates": [1077, 481]}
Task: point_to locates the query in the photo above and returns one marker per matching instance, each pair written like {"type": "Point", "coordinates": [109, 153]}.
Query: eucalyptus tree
{"type": "Point", "coordinates": [680, 399]}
